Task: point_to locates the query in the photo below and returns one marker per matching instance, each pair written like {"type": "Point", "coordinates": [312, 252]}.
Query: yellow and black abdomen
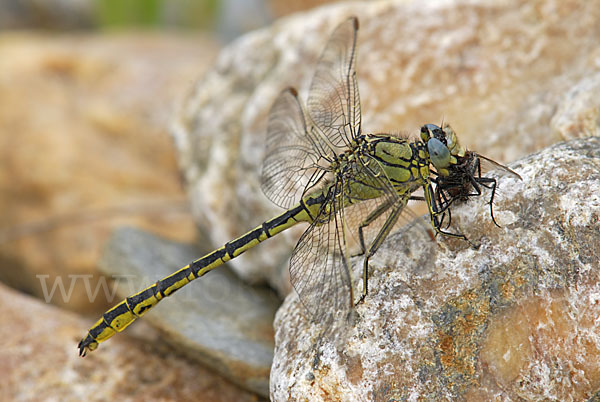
{"type": "Point", "coordinates": [123, 314]}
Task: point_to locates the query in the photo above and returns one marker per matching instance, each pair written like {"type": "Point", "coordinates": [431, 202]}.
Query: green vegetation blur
{"type": "Point", "coordinates": [186, 14]}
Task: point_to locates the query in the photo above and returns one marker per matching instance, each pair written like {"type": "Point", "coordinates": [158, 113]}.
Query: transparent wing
{"type": "Point", "coordinates": [357, 214]}
{"type": "Point", "coordinates": [488, 164]}
{"type": "Point", "coordinates": [369, 215]}
{"type": "Point", "coordinates": [333, 98]}
{"type": "Point", "coordinates": [292, 154]}
{"type": "Point", "coordinates": [298, 147]}
{"type": "Point", "coordinates": [319, 266]}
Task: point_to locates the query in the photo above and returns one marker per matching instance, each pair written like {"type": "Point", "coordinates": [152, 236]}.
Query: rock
{"type": "Point", "coordinates": [514, 319]}
{"type": "Point", "coordinates": [578, 114]}
{"type": "Point", "coordinates": [84, 148]}
{"type": "Point", "coordinates": [504, 70]}
{"type": "Point", "coordinates": [39, 361]}
{"type": "Point", "coordinates": [218, 320]}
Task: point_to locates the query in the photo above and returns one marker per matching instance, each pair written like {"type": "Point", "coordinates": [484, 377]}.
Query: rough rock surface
{"type": "Point", "coordinates": [39, 361]}
{"type": "Point", "coordinates": [217, 320]}
{"type": "Point", "coordinates": [515, 319]}
{"type": "Point", "coordinates": [501, 73]}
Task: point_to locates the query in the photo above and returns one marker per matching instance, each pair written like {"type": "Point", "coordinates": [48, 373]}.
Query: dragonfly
{"type": "Point", "coordinates": [350, 188]}
{"type": "Point", "coordinates": [464, 179]}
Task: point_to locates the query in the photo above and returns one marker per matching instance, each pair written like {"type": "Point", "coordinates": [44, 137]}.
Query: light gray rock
{"type": "Point", "coordinates": [578, 113]}
{"type": "Point", "coordinates": [217, 320]}
{"type": "Point", "coordinates": [515, 318]}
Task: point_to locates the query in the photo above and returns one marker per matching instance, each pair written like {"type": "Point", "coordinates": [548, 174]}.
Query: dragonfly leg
{"type": "Point", "coordinates": [490, 184]}
{"type": "Point", "coordinates": [435, 211]}
{"type": "Point", "coordinates": [383, 233]}
{"type": "Point", "coordinates": [370, 219]}
{"type": "Point", "coordinates": [445, 209]}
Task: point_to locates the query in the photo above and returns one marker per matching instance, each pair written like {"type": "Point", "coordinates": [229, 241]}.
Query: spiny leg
{"type": "Point", "coordinates": [434, 212]}
{"type": "Point", "coordinates": [440, 195]}
{"type": "Point", "coordinates": [383, 233]}
{"type": "Point", "coordinates": [376, 213]}
{"type": "Point", "coordinates": [490, 184]}
{"type": "Point", "coordinates": [487, 182]}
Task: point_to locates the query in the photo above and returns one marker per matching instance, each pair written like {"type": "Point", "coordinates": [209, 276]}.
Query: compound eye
{"type": "Point", "coordinates": [450, 139]}
{"type": "Point", "coordinates": [430, 128]}
{"type": "Point", "coordinates": [428, 131]}
{"type": "Point", "coordinates": [438, 153]}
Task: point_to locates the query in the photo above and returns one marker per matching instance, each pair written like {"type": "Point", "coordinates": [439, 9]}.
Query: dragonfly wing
{"type": "Point", "coordinates": [297, 144]}
{"type": "Point", "coordinates": [333, 98]}
{"type": "Point", "coordinates": [292, 154]}
{"type": "Point", "coordinates": [488, 164]}
{"type": "Point", "coordinates": [369, 177]}
{"type": "Point", "coordinates": [319, 266]}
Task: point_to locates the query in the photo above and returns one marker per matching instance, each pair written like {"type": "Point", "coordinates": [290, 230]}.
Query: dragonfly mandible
{"type": "Point", "coordinates": [463, 179]}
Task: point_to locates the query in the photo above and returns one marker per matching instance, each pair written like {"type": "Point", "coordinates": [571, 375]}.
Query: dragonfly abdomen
{"type": "Point", "coordinates": [123, 314]}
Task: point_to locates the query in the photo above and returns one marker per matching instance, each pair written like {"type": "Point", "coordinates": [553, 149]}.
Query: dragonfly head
{"type": "Point", "coordinates": [442, 145]}
{"type": "Point", "coordinates": [452, 143]}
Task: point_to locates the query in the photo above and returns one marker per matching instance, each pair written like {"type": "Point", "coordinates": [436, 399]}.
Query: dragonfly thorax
{"type": "Point", "coordinates": [402, 160]}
